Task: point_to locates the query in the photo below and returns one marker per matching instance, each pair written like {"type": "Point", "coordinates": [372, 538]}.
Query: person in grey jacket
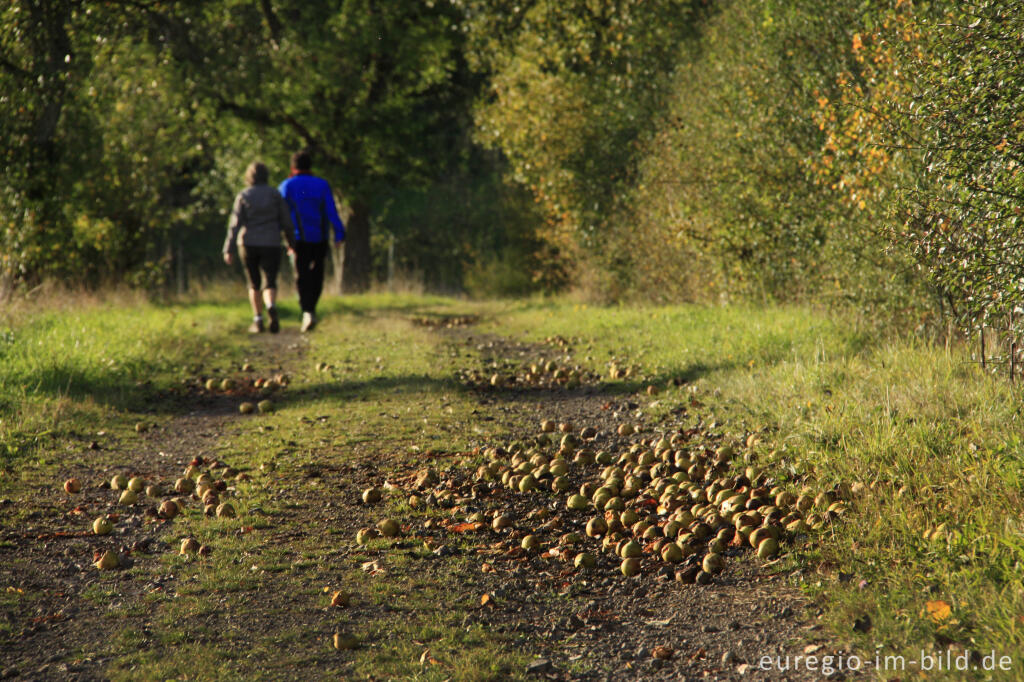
{"type": "Point", "coordinates": [258, 219]}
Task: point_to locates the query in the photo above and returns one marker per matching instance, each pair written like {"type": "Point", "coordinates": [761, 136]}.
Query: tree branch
{"type": "Point", "coordinates": [264, 117]}
{"type": "Point", "coordinates": [13, 68]}
{"type": "Point", "coordinates": [273, 23]}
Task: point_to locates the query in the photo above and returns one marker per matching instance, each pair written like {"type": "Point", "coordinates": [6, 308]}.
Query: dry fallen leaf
{"type": "Point", "coordinates": [464, 527]}
{"type": "Point", "coordinates": [938, 610]}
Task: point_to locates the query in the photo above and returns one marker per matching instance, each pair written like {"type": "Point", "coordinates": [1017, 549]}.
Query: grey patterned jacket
{"type": "Point", "coordinates": [260, 217]}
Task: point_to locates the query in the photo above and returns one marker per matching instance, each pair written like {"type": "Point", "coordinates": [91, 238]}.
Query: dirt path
{"type": "Point", "coordinates": [63, 631]}
{"type": "Point", "coordinates": [607, 627]}
{"type": "Point", "coordinates": [575, 624]}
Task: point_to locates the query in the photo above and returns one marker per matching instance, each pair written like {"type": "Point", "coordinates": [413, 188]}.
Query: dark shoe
{"type": "Point", "coordinates": [256, 327]}
{"type": "Point", "coordinates": [308, 322]}
{"type": "Point", "coordinates": [275, 324]}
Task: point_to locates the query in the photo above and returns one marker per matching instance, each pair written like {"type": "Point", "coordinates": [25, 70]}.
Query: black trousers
{"type": "Point", "coordinates": [261, 260]}
{"type": "Point", "coordinates": [309, 273]}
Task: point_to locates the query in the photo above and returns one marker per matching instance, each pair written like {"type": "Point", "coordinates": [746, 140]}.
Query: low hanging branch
{"type": "Point", "coordinates": [264, 117]}
{"type": "Point", "coordinates": [273, 23]}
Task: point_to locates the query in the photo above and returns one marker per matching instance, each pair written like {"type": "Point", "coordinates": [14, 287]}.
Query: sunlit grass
{"type": "Point", "coordinates": [936, 440]}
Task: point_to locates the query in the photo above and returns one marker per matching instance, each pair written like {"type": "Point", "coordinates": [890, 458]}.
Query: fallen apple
{"type": "Point", "coordinates": [364, 535]}
{"type": "Point", "coordinates": [768, 548]}
{"type": "Point", "coordinates": [630, 566]}
{"type": "Point", "coordinates": [631, 549]}
{"type": "Point", "coordinates": [576, 502]}
{"type": "Point", "coordinates": [713, 563]}
{"type": "Point", "coordinates": [389, 528]}
{"type": "Point", "coordinates": [585, 560]}
{"type": "Point", "coordinates": [168, 509]}
{"type": "Point", "coordinates": [108, 561]}
{"type": "Point", "coordinates": [345, 641]}
{"type": "Point", "coordinates": [671, 553]}
{"type": "Point", "coordinates": [596, 527]}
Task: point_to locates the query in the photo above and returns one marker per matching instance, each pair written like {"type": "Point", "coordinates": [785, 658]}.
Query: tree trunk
{"type": "Point", "coordinates": [355, 275]}
{"type": "Point", "coordinates": [52, 51]}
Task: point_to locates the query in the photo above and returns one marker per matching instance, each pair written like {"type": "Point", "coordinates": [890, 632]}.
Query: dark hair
{"type": "Point", "coordinates": [302, 161]}
{"type": "Point", "coordinates": [257, 173]}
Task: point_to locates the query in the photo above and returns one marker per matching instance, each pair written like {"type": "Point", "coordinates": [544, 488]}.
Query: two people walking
{"type": "Point", "coordinates": [301, 212]}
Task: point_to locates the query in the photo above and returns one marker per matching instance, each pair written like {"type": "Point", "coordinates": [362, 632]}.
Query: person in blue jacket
{"type": "Point", "coordinates": [313, 212]}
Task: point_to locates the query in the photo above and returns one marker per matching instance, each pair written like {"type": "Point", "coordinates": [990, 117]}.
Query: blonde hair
{"type": "Point", "coordinates": [257, 173]}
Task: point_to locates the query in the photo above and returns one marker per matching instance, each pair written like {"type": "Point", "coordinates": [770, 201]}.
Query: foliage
{"type": "Point", "coordinates": [453, 233]}
{"type": "Point", "coordinates": [377, 91]}
{"type": "Point", "coordinates": [730, 202]}
{"type": "Point", "coordinates": [135, 143]}
{"type": "Point", "coordinates": [102, 147]}
{"type": "Point", "coordinates": [573, 86]}
{"type": "Point", "coordinates": [939, 90]}
{"type": "Point", "coordinates": [861, 152]}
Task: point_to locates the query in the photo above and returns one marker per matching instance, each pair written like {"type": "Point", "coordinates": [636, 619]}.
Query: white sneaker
{"type": "Point", "coordinates": [308, 322]}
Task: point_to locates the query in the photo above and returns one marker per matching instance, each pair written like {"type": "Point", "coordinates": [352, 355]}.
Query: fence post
{"type": "Point", "coordinates": [181, 269]}
{"type": "Point", "coordinates": [391, 264]}
{"type": "Point", "coordinates": [1013, 360]}
{"type": "Point", "coordinates": [1013, 346]}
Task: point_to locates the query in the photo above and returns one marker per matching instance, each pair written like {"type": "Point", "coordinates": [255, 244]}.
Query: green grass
{"type": "Point", "coordinates": [388, 397]}
{"type": "Point", "coordinates": [66, 374]}
{"type": "Point", "coordinates": [258, 603]}
{"type": "Point", "coordinates": [936, 440]}
{"type": "Point", "coordinates": [939, 440]}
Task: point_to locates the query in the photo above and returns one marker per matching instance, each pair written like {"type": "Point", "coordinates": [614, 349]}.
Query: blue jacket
{"type": "Point", "coordinates": [312, 206]}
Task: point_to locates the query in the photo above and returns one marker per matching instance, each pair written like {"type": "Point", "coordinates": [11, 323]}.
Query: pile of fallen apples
{"type": "Point", "coordinates": [202, 483]}
{"type": "Point", "coordinates": [678, 499]}
{"type": "Point", "coordinates": [540, 374]}
{"type": "Point", "coordinates": [260, 388]}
